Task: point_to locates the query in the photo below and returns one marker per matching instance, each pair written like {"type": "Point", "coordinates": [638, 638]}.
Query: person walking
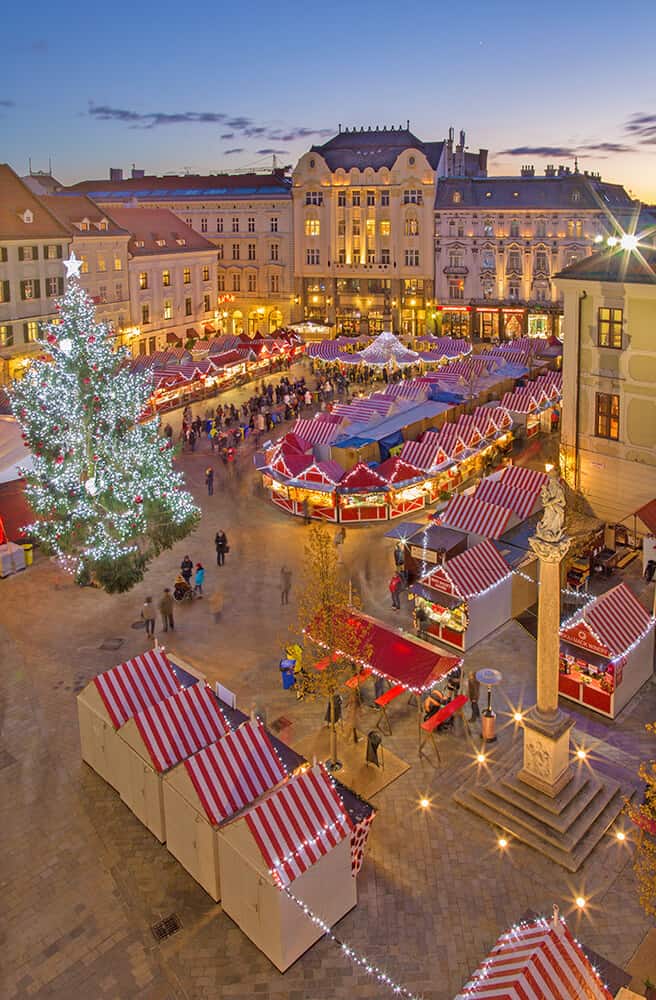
{"type": "Point", "coordinates": [395, 591]}
{"type": "Point", "coordinates": [209, 480]}
{"type": "Point", "coordinates": [148, 616]}
{"type": "Point", "coordinates": [221, 546]}
{"type": "Point", "coordinates": [186, 568]}
{"type": "Point", "coordinates": [191, 437]}
{"type": "Point", "coordinates": [198, 579]}
{"type": "Point", "coordinates": [166, 610]}
{"type": "Point", "coordinates": [473, 691]}
{"type": "Point", "coordinates": [285, 584]}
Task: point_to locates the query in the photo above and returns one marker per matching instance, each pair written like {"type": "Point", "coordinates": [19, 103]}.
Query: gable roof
{"type": "Point", "coordinates": [630, 267]}
{"type": "Point", "coordinates": [477, 517]}
{"type": "Point", "coordinates": [375, 148]}
{"type": "Point", "coordinates": [521, 502]}
{"type": "Point", "coordinates": [148, 225]}
{"type": "Point", "coordinates": [618, 618]}
{"type": "Point", "coordinates": [174, 729]}
{"type": "Point", "coordinates": [469, 573]}
{"type": "Point", "coordinates": [73, 210]}
{"type": "Point", "coordinates": [361, 477]}
{"type": "Point", "coordinates": [132, 686]}
{"type": "Point", "coordinates": [15, 199]}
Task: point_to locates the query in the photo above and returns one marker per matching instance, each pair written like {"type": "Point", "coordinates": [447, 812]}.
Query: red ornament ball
{"type": "Point", "coordinates": [91, 340]}
{"type": "Point", "coordinates": [51, 338]}
{"type": "Point", "coordinates": [138, 499]}
{"type": "Point", "coordinates": [59, 459]}
{"type": "Point", "coordinates": [86, 380]}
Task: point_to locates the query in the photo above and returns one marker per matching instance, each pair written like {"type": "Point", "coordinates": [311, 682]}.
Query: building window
{"type": "Point", "coordinates": [30, 332]}
{"type": "Point", "coordinates": [384, 198]}
{"type": "Point", "coordinates": [341, 256]}
{"type": "Point", "coordinates": [102, 290]}
{"type": "Point", "coordinates": [412, 258]}
{"type": "Point", "coordinates": [145, 314]}
{"type": "Point", "coordinates": [235, 224]}
{"type": "Point", "coordinates": [274, 224]}
{"type": "Point", "coordinates": [220, 251]}
{"type": "Point", "coordinates": [514, 261]}
{"type": "Point", "coordinates": [513, 292]}
{"type": "Point", "coordinates": [188, 222]}
{"type": "Point", "coordinates": [488, 228]}
{"type": "Point", "coordinates": [236, 283]}
{"type": "Point", "coordinates": [385, 255]}
{"type": "Point", "coordinates": [575, 228]}
{"type": "Point", "coordinates": [251, 251]}
{"type": "Point", "coordinates": [341, 199]}
{"type": "Point", "coordinates": [355, 198]}
{"type": "Point", "coordinates": [118, 291]}
{"type": "Point", "coordinates": [207, 303]}
{"type": "Point", "coordinates": [456, 197]}
{"type": "Point", "coordinates": [313, 198]}
{"type": "Point", "coordinates": [101, 263]}
{"type": "Point", "coordinates": [85, 263]}
{"type": "Point", "coordinates": [187, 306]}
{"type": "Point", "coordinates": [186, 276]}
{"type": "Point", "coordinates": [514, 228]}
{"type": "Point", "coordinates": [311, 256]}
{"type": "Point", "coordinates": [235, 251]}
{"type": "Point", "coordinates": [455, 258]}
{"type": "Point", "coordinates": [610, 323]}
{"type": "Point", "coordinates": [118, 264]}
{"type": "Point", "coordinates": [540, 229]}
{"type": "Point", "coordinates": [28, 253]}
{"type": "Point", "coordinates": [5, 291]}
{"type": "Point", "coordinates": [203, 224]}
{"type": "Point", "coordinates": [51, 251]}
{"type": "Point", "coordinates": [385, 227]}
{"type": "Point", "coordinates": [341, 227]}
{"type": "Point", "coordinates": [371, 256]}
{"type": "Point", "coordinates": [6, 335]}
{"type": "Point", "coordinates": [30, 289]}
{"type": "Point", "coordinates": [251, 223]}
{"type": "Point", "coordinates": [252, 282]}
{"type": "Point", "coordinates": [411, 227]}
{"type": "Point", "coordinates": [355, 256]}
{"type": "Point", "coordinates": [274, 283]}
{"type": "Point", "coordinates": [219, 223]}
{"type": "Point", "coordinates": [412, 196]}
{"type": "Point", "coordinates": [312, 227]}
{"type": "Point", "coordinates": [487, 260]}
{"type": "Point", "coordinates": [54, 286]}
{"type": "Point", "coordinates": [206, 272]}
{"type": "Point", "coordinates": [166, 278]}
{"type": "Point", "coordinates": [370, 228]}
{"type": "Point", "coordinates": [607, 416]}
{"type": "Point", "coordinates": [456, 289]}
{"type": "Point", "coordinates": [275, 251]}
{"type": "Point", "coordinates": [355, 229]}
{"type": "Point", "coordinates": [220, 282]}
{"type": "Point", "coordinates": [542, 261]}
{"type": "Point", "coordinates": [168, 309]}
{"type": "Point", "coordinates": [371, 198]}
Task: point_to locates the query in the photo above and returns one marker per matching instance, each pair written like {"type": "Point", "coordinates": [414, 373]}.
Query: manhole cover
{"type": "Point", "coordinates": [111, 644]}
{"type": "Point", "coordinates": [167, 927]}
{"type": "Point", "coordinates": [6, 760]}
{"type": "Point", "coordinates": [281, 723]}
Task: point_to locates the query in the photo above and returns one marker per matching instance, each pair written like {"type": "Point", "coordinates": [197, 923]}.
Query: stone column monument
{"type": "Point", "coordinates": [546, 727]}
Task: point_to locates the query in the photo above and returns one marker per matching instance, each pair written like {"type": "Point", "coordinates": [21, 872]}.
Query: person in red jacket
{"type": "Point", "coordinates": [395, 591]}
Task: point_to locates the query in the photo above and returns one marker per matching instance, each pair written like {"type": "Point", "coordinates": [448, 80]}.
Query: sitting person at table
{"type": "Point", "coordinates": [433, 702]}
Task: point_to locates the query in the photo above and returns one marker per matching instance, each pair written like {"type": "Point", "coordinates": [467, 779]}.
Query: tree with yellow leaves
{"type": "Point", "coordinates": [644, 816]}
{"type": "Point", "coordinates": [335, 643]}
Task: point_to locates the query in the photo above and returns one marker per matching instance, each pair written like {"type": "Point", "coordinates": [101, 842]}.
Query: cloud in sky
{"type": "Point", "coordinates": [642, 127]}
{"type": "Point", "coordinates": [231, 152]}
{"type": "Point", "coordinates": [271, 152]}
{"type": "Point", "coordinates": [7, 104]}
{"type": "Point", "coordinates": [564, 152]}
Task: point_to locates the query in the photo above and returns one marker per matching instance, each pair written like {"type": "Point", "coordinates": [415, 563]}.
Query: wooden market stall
{"type": "Point", "coordinates": [428, 455]}
{"type": "Point", "coordinates": [607, 652]}
{"type": "Point", "coordinates": [407, 492]}
{"type": "Point", "coordinates": [295, 842]}
{"type": "Point", "coordinates": [111, 699]}
{"type": "Point", "coordinates": [429, 545]}
{"type": "Point", "coordinates": [315, 485]}
{"type": "Point", "coordinates": [466, 598]}
{"type": "Point", "coordinates": [524, 408]}
{"type": "Point", "coordinates": [362, 495]}
{"type": "Point", "coordinates": [155, 740]}
{"type": "Point", "coordinates": [477, 517]}
{"type": "Point", "coordinates": [210, 787]}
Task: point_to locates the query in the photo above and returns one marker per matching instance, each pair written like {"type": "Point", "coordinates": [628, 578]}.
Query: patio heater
{"type": "Point", "coordinates": [491, 678]}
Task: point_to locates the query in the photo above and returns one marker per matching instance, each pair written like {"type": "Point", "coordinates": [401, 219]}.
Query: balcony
{"type": "Point", "coordinates": [455, 270]}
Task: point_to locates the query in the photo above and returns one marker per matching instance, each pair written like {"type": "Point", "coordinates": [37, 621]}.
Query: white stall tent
{"type": "Point", "coordinates": [201, 793]}
{"type": "Point", "coordinates": [113, 697]}
{"type": "Point", "coordinates": [296, 840]}
{"type": "Point", "coordinates": [157, 739]}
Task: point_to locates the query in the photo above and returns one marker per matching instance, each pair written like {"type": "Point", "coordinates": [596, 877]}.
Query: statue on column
{"type": "Point", "coordinates": [551, 527]}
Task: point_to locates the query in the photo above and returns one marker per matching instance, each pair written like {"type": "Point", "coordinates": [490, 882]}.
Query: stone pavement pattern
{"type": "Point", "coordinates": [82, 881]}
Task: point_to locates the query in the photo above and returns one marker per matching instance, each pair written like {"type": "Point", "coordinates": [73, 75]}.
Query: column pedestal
{"type": "Point", "coordinates": [546, 753]}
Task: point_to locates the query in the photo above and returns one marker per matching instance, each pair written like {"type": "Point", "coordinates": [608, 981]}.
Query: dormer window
{"type": "Point", "coordinates": [160, 243]}
{"type": "Point", "coordinates": [181, 242]}
{"type": "Point", "coordinates": [139, 243]}
{"type": "Point", "coordinates": [456, 197]}
{"type": "Point", "coordinates": [102, 225]}
{"type": "Point", "coordinates": [84, 225]}
{"type": "Point", "coordinates": [27, 217]}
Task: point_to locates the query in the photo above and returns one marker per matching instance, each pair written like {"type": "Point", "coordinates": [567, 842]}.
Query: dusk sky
{"type": "Point", "coordinates": [211, 86]}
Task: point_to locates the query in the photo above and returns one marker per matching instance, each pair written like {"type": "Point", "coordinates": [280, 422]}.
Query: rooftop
{"type": "Point", "coordinates": [625, 266]}
{"type": "Point", "coordinates": [374, 148]}
{"type": "Point", "coordinates": [189, 186]}
{"type": "Point", "coordinates": [22, 214]}
{"type": "Point", "coordinates": [565, 191]}
{"type": "Point", "coordinates": [75, 210]}
{"type": "Point", "coordinates": [158, 231]}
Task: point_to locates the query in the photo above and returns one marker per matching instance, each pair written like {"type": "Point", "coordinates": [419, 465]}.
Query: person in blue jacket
{"type": "Point", "coordinates": [198, 579]}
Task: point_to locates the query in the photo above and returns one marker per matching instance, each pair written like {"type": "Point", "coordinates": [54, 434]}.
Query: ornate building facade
{"type": "Point", "coordinates": [500, 240]}
{"type": "Point", "coordinates": [363, 227]}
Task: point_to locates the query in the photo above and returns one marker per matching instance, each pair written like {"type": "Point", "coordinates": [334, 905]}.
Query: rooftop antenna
{"type": "Point", "coordinates": [275, 162]}
{"type": "Point", "coordinates": [29, 164]}
{"type": "Point", "coordinates": [407, 124]}
{"type": "Point", "coordinates": [50, 165]}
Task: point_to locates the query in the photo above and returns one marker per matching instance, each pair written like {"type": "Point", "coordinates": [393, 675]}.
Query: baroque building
{"type": "Point", "coordinates": [500, 240]}
{"type": "Point", "coordinates": [363, 227]}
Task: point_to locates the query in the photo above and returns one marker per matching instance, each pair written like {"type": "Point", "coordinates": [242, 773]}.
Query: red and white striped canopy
{"type": "Point", "coordinates": [483, 418]}
{"type": "Point", "coordinates": [298, 823]}
{"type": "Point", "coordinates": [327, 350]}
{"type": "Point", "coordinates": [618, 618]}
{"type": "Point", "coordinates": [230, 774]}
{"type": "Point", "coordinates": [427, 454]}
{"type": "Point", "coordinates": [408, 389]}
{"type": "Point", "coordinates": [136, 684]}
{"type": "Point", "coordinates": [451, 441]}
{"type": "Point", "coordinates": [466, 427]}
{"type": "Point", "coordinates": [470, 572]}
{"type": "Point", "coordinates": [327, 473]}
{"type": "Point", "coordinates": [536, 961]}
{"type": "Point", "coordinates": [317, 431]}
{"type": "Point", "coordinates": [174, 729]}
{"type": "Point", "coordinates": [521, 502]}
{"type": "Point", "coordinates": [524, 479]}
{"type": "Point", "coordinates": [501, 417]}
{"type": "Point", "coordinates": [396, 470]}
{"type": "Point", "coordinates": [512, 357]}
{"type": "Point", "coordinates": [466, 513]}
{"type": "Point", "coordinates": [521, 400]}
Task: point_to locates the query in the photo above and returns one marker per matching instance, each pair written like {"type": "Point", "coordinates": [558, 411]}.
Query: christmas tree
{"type": "Point", "coordinates": [103, 487]}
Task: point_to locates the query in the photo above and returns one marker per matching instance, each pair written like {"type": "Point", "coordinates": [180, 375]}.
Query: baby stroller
{"type": "Point", "coordinates": [182, 591]}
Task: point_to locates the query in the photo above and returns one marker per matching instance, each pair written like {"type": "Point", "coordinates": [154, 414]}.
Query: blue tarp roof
{"type": "Point", "coordinates": [397, 421]}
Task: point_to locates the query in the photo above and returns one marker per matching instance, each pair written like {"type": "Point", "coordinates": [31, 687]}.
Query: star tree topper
{"type": "Point", "coordinates": [72, 266]}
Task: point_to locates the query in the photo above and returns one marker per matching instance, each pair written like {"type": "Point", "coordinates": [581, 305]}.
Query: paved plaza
{"type": "Point", "coordinates": [82, 881]}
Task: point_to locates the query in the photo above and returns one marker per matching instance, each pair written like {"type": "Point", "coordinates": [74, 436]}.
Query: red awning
{"type": "Point", "coordinates": [136, 684]}
{"type": "Point", "coordinates": [361, 477]}
{"type": "Point", "coordinates": [180, 726]}
{"type": "Point", "coordinates": [647, 515]}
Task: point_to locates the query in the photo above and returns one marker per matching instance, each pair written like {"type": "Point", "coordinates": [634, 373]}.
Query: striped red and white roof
{"type": "Point", "coordinates": [451, 441]}
{"type": "Point", "coordinates": [524, 479]}
{"type": "Point", "coordinates": [298, 823]}
{"type": "Point", "coordinates": [230, 774]}
{"type": "Point", "coordinates": [287, 462]}
{"type": "Point", "coordinates": [512, 357]}
{"type": "Point", "coordinates": [136, 684]}
{"type": "Point", "coordinates": [362, 477]}
{"type": "Point", "coordinates": [536, 961]}
{"type": "Point", "coordinates": [484, 420]}
{"type": "Point", "coordinates": [183, 724]}
{"type": "Point", "coordinates": [501, 417]}
{"type": "Point", "coordinates": [541, 396]}
{"type": "Point", "coordinates": [522, 400]}
{"type": "Point", "coordinates": [364, 409]}
{"type": "Point", "coordinates": [470, 572]}
{"type": "Point", "coordinates": [327, 350]}
{"type": "Point", "coordinates": [327, 473]}
{"type": "Point", "coordinates": [408, 389]}
{"type": "Point", "coordinates": [397, 470]}
{"type": "Point", "coordinates": [521, 502]}
{"type": "Point", "coordinates": [466, 427]}
{"type": "Point", "coordinates": [467, 513]}
{"type": "Point", "coordinates": [426, 454]}
{"type": "Point", "coordinates": [317, 431]}
{"type": "Point", "coordinates": [618, 618]}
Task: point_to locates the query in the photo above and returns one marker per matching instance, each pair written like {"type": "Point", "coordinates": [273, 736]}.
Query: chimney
{"type": "Point", "coordinates": [137, 174]}
{"type": "Point", "coordinates": [462, 137]}
{"type": "Point", "coordinates": [550, 170]}
{"type": "Point", "coordinates": [407, 124]}
{"type": "Point", "coordinates": [528, 170]}
{"type": "Point", "coordinates": [115, 174]}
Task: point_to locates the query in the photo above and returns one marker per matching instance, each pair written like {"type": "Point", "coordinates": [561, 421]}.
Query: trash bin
{"type": "Point", "coordinates": [28, 549]}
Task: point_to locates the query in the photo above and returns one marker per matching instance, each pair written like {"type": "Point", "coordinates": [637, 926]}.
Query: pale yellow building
{"type": "Point", "coordinates": [608, 431]}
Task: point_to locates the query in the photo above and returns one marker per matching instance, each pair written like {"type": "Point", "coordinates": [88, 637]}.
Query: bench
{"type": "Point", "coordinates": [454, 707]}
{"type": "Point", "coordinates": [382, 703]}
{"type": "Point", "coordinates": [357, 679]}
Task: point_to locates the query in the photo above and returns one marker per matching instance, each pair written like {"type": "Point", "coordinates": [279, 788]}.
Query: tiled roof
{"type": "Point", "coordinates": [16, 199]}
{"type": "Point", "coordinates": [374, 148]}
{"type": "Point", "coordinates": [152, 226]}
{"type": "Point", "coordinates": [189, 187]}
{"type": "Point", "coordinates": [634, 267]}
{"type": "Point", "coordinates": [73, 210]}
{"type": "Point", "coordinates": [572, 191]}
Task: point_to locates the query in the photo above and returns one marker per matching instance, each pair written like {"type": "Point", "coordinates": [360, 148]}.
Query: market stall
{"type": "Point", "coordinates": [523, 407]}
{"type": "Point", "coordinates": [362, 495]}
{"type": "Point", "coordinates": [430, 545]}
{"type": "Point", "coordinates": [210, 787]}
{"type": "Point", "coordinates": [111, 699]}
{"type": "Point", "coordinates": [607, 652]}
{"type": "Point", "coordinates": [523, 503]}
{"type": "Point", "coordinates": [476, 517]}
{"type": "Point", "coordinates": [295, 842]}
{"type": "Point", "coordinates": [155, 740]}
{"type": "Point", "coordinates": [315, 486]}
{"type": "Point", "coordinates": [407, 491]}
{"type": "Point", "coordinates": [466, 598]}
